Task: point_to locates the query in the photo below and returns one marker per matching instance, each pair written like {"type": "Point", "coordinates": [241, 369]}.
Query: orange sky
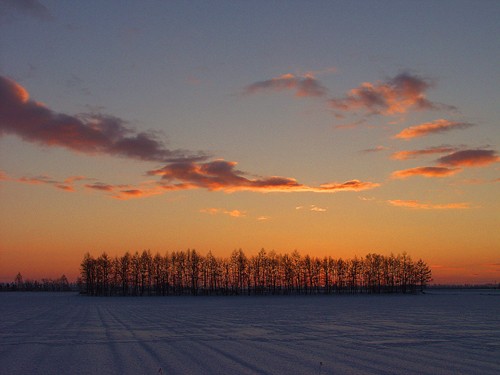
{"type": "Point", "coordinates": [333, 129]}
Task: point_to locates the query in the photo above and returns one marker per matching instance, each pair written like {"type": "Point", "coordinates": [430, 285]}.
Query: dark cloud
{"type": "Point", "coordinates": [32, 8]}
{"type": "Point", "coordinates": [469, 158]}
{"type": "Point", "coordinates": [394, 96]}
{"type": "Point", "coordinates": [303, 86]}
{"type": "Point", "coordinates": [374, 149]}
{"type": "Point", "coordinates": [426, 172]}
{"type": "Point", "coordinates": [411, 154]}
{"type": "Point", "coordinates": [90, 133]}
{"type": "Point", "coordinates": [222, 175]}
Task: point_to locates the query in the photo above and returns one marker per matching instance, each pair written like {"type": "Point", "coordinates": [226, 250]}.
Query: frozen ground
{"type": "Point", "coordinates": [435, 333]}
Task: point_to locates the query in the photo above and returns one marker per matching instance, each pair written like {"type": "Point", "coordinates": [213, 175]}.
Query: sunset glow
{"type": "Point", "coordinates": [330, 128]}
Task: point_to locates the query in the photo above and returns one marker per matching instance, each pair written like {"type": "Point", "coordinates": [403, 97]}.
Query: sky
{"type": "Point", "coordinates": [335, 128]}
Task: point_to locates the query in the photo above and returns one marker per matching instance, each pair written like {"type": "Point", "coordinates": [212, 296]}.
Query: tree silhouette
{"type": "Point", "coordinates": [266, 273]}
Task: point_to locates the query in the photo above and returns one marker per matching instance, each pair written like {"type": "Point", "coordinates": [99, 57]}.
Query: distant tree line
{"type": "Point", "coordinates": [267, 273]}
{"type": "Point", "coordinates": [44, 285]}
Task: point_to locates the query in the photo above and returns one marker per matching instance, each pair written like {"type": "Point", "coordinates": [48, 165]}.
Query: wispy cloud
{"type": "Point", "coordinates": [32, 8]}
{"type": "Point", "coordinates": [426, 172]}
{"type": "Point", "coordinates": [412, 154]}
{"type": "Point", "coordinates": [396, 95]}
{"type": "Point", "coordinates": [306, 86]}
{"type": "Point", "coordinates": [448, 165]}
{"type": "Point", "coordinates": [415, 204]}
{"type": "Point", "coordinates": [67, 184]}
{"type": "Point", "coordinates": [222, 175]}
{"type": "Point", "coordinates": [433, 127]}
{"type": "Point", "coordinates": [374, 149]}
{"type": "Point", "coordinates": [88, 133]}
{"type": "Point", "coordinates": [263, 218]}
{"type": "Point", "coordinates": [312, 207]}
{"type": "Point", "coordinates": [470, 158]}
{"type": "Point", "coordinates": [216, 211]}
{"type": "Point", "coordinates": [97, 134]}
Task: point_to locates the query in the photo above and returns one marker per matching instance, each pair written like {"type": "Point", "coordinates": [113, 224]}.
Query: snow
{"type": "Point", "coordinates": [434, 333]}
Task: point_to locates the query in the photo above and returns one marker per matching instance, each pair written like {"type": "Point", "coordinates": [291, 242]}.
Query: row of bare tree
{"type": "Point", "coordinates": [45, 285]}
{"type": "Point", "coordinates": [189, 273]}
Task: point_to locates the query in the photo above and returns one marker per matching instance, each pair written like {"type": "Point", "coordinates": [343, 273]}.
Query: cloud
{"type": "Point", "coordinates": [317, 209]}
{"type": "Point", "coordinates": [437, 126]}
{"type": "Point", "coordinates": [100, 186]}
{"type": "Point", "coordinates": [88, 133]}
{"type": "Point", "coordinates": [312, 207]}
{"type": "Point", "coordinates": [67, 185]}
{"type": "Point", "coordinates": [216, 211]}
{"type": "Point", "coordinates": [428, 206]}
{"type": "Point", "coordinates": [411, 154]}
{"type": "Point", "coordinates": [426, 172]}
{"type": "Point", "coordinates": [366, 199]}
{"type": "Point", "coordinates": [97, 134]}
{"type": "Point", "coordinates": [374, 149]}
{"type": "Point", "coordinates": [126, 192]}
{"type": "Point", "coordinates": [221, 175]}
{"type": "Point", "coordinates": [263, 218]}
{"type": "Point", "coordinates": [448, 165]}
{"type": "Point", "coordinates": [306, 86]}
{"type": "Point", "coordinates": [353, 185]}
{"type": "Point", "coordinates": [30, 7]}
{"type": "Point", "coordinates": [469, 158]}
{"type": "Point", "coordinates": [394, 96]}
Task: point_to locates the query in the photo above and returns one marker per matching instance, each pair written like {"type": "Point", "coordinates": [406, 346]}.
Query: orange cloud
{"type": "Point", "coordinates": [395, 96]}
{"type": "Point", "coordinates": [263, 218]}
{"type": "Point", "coordinates": [100, 186]}
{"type": "Point", "coordinates": [437, 126]}
{"type": "Point", "coordinates": [66, 185]}
{"type": "Point", "coordinates": [232, 213]}
{"type": "Point", "coordinates": [312, 207]}
{"type": "Point", "coordinates": [306, 86]}
{"type": "Point", "coordinates": [90, 134]}
{"type": "Point", "coordinates": [222, 175]}
{"type": "Point", "coordinates": [46, 181]}
{"type": "Point", "coordinates": [428, 206]}
{"type": "Point", "coordinates": [469, 158]}
{"type": "Point", "coordinates": [411, 154]}
{"type": "Point", "coordinates": [139, 192]}
{"type": "Point", "coordinates": [426, 172]}
{"type": "Point", "coordinates": [353, 185]}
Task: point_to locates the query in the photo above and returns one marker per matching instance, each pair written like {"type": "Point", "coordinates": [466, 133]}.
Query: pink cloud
{"type": "Point", "coordinates": [433, 127]}
{"type": "Point", "coordinates": [306, 86]}
{"type": "Point", "coordinates": [100, 186]}
{"type": "Point", "coordinates": [426, 172]}
{"type": "Point", "coordinates": [411, 154]}
{"type": "Point", "coordinates": [89, 134]}
{"type": "Point", "coordinates": [469, 158]}
{"type": "Point", "coordinates": [395, 96]}
{"type": "Point", "coordinates": [414, 204]}
{"type": "Point", "coordinates": [222, 175]}
{"type": "Point", "coordinates": [66, 185]}
{"type": "Point", "coordinates": [138, 192]}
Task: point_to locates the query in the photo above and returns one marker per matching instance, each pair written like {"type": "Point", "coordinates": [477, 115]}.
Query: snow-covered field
{"type": "Point", "coordinates": [435, 333]}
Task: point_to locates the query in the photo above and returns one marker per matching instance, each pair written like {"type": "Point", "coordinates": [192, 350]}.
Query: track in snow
{"type": "Point", "coordinates": [58, 333]}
